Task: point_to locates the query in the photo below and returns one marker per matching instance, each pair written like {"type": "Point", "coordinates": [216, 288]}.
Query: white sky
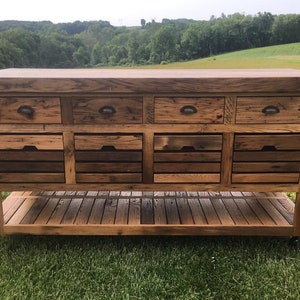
{"type": "Point", "coordinates": [130, 12]}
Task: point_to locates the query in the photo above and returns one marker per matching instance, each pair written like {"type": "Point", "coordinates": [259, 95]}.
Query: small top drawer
{"type": "Point", "coordinates": [189, 110]}
{"type": "Point", "coordinates": [262, 110]}
{"type": "Point", "coordinates": [30, 110]}
{"type": "Point", "coordinates": [108, 110]}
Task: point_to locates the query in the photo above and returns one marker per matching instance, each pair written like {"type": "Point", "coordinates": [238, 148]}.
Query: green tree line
{"type": "Point", "coordinates": [98, 43]}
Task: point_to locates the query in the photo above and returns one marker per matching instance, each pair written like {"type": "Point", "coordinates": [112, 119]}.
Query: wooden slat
{"type": "Point", "coordinates": [97, 142]}
{"type": "Point", "coordinates": [171, 208]}
{"type": "Point", "coordinates": [197, 156]}
{"type": "Point", "coordinates": [178, 142]}
{"type": "Point", "coordinates": [209, 211]}
{"type": "Point", "coordinates": [257, 156]}
{"type": "Point", "coordinates": [178, 167]}
{"type": "Point", "coordinates": [41, 142]}
{"type": "Point", "coordinates": [107, 156]}
{"type": "Point", "coordinates": [32, 167]}
{"type": "Point", "coordinates": [110, 209]}
{"type": "Point", "coordinates": [134, 215]}
{"type": "Point", "coordinates": [265, 177]}
{"type": "Point", "coordinates": [37, 156]}
{"type": "Point", "coordinates": [107, 177]}
{"type": "Point", "coordinates": [181, 177]}
{"type": "Point", "coordinates": [276, 167]}
{"type": "Point", "coordinates": [160, 216]}
{"type": "Point", "coordinates": [98, 209]}
{"type": "Point", "coordinates": [258, 142]}
{"type": "Point", "coordinates": [184, 210]}
{"type": "Point", "coordinates": [32, 177]}
{"type": "Point", "coordinates": [103, 167]}
{"type": "Point", "coordinates": [122, 209]}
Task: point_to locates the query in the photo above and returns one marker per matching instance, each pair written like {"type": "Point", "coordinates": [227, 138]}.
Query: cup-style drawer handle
{"type": "Point", "coordinates": [26, 110]}
{"type": "Point", "coordinates": [188, 110]}
{"type": "Point", "coordinates": [271, 110]}
{"type": "Point", "coordinates": [107, 110]}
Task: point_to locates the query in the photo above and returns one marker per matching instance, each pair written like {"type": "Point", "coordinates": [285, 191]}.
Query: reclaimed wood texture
{"type": "Point", "coordinates": [108, 158]}
{"type": "Point", "coordinates": [137, 213]}
{"type": "Point", "coordinates": [108, 110]}
{"type": "Point", "coordinates": [265, 158]}
{"type": "Point", "coordinates": [31, 159]}
{"type": "Point", "coordinates": [187, 158]}
{"type": "Point", "coordinates": [251, 110]}
{"type": "Point", "coordinates": [198, 110]}
{"type": "Point", "coordinates": [147, 81]}
{"type": "Point", "coordinates": [42, 110]}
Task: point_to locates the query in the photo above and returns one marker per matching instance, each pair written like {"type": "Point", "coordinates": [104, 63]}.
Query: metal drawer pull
{"type": "Point", "coordinates": [188, 110]}
{"type": "Point", "coordinates": [26, 111]}
{"type": "Point", "coordinates": [271, 110]}
{"type": "Point", "coordinates": [107, 110]}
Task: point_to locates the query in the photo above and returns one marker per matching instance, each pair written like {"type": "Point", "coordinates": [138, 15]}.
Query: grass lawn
{"type": "Point", "coordinates": [281, 56]}
{"type": "Point", "coordinates": [148, 268]}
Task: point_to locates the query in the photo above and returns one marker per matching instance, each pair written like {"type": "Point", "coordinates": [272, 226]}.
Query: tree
{"type": "Point", "coordinates": [163, 44]}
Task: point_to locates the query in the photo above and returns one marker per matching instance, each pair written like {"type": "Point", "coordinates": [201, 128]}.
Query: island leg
{"type": "Point", "coordinates": [297, 221]}
{"type": "Point", "coordinates": [1, 216]}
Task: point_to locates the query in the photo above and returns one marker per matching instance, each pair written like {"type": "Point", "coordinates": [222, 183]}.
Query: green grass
{"type": "Point", "coordinates": [148, 268]}
{"type": "Point", "coordinates": [281, 56]}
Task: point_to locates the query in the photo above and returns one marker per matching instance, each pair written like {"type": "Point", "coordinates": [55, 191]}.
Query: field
{"type": "Point", "coordinates": [34, 267]}
{"type": "Point", "coordinates": [281, 56]}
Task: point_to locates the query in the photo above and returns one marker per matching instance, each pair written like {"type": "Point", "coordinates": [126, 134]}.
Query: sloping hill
{"type": "Point", "coordinates": [280, 56]}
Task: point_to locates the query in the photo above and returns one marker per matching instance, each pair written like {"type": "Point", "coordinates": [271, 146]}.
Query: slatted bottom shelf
{"type": "Point", "coordinates": [148, 213]}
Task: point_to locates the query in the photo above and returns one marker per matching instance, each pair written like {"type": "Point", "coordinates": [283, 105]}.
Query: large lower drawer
{"type": "Point", "coordinates": [261, 158]}
{"type": "Point", "coordinates": [187, 158]}
{"type": "Point", "coordinates": [108, 158]}
{"type": "Point", "coordinates": [31, 158]}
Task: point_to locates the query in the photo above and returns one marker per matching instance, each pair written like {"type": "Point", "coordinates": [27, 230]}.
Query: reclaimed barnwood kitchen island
{"type": "Point", "coordinates": [159, 152]}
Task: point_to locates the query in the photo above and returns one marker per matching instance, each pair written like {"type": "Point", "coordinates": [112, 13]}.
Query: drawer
{"type": "Point", "coordinates": [30, 110]}
{"type": "Point", "coordinates": [108, 158]}
{"type": "Point", "coordinates": [272, 158]}
{"type": "Point", "coordinates": [187, 158]}
{"type": "Point", "coordinates": [189, 110]}
{"type": "Point", "coordinates": [108, 110]}
{"type": "Point", "coordinates": [268, 110]}
{"type": "Point", "coordinates": [31, 159]}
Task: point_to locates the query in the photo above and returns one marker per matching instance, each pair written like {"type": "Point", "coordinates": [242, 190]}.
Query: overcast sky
{"type": "Point", "coordinates": [130, 12]}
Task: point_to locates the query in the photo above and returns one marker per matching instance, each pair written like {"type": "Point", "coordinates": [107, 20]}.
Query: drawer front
{"type": "Point", "coordinates": [31, 159]}
{"type": "Point", "coordinates": [187, 158]}
{"type": "Point", "coordinates": [189, 110]}
{"type": "Point", "coordinates": [108, 110]}
{"type": "Point", "coordinates": [268, 110]}
{"type": "Point", "coordinates": [108, 158]}
{"type": "Point", "coordinates": [30, 110]}
{"type": "Point", "coordinates": [264, 158]}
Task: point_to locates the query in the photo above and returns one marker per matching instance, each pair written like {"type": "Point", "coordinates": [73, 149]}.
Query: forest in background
{"type": "Point", "coordinates": [99, 44]}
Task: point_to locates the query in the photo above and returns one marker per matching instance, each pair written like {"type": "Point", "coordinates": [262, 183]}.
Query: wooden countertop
{"type": "Point", "coordinates": [148, 81]}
